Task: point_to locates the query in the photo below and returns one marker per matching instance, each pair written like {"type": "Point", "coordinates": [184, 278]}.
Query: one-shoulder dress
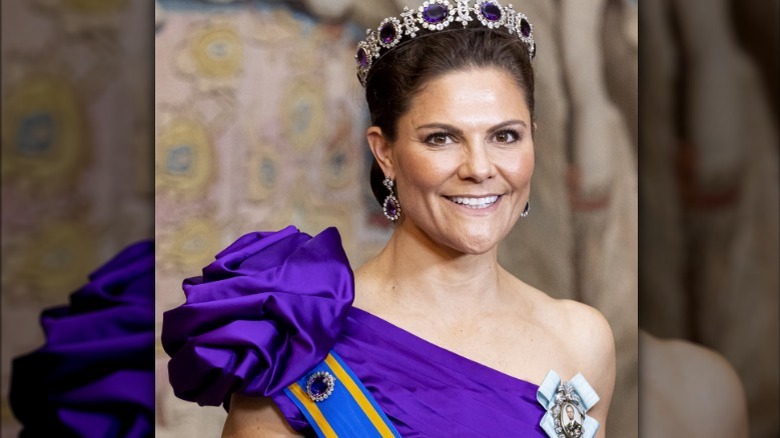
{"type": "Point", "coordinates": [273, 305]}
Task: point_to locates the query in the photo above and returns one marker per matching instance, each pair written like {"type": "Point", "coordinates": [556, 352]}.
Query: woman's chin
{"type": "Point", "coordinates": [469, 240]}
{"type": "Point", "coordinates": [475, 244]}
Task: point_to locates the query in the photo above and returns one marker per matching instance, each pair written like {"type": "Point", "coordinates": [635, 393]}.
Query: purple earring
{"type": "Point", "coordinates": [526, 210]}
{"type": "Point", "coordinates": [391, 207]}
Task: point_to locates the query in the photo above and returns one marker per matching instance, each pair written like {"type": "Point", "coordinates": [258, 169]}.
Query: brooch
{"type": "Point", "coordinates": [566, 404]}
{"type": "Point", "coordinates": [320, 386]}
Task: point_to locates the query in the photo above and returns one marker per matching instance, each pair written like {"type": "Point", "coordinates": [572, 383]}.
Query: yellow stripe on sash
{"type": "Point", "coordinates": [358, 395]}
{"type": "Point", "coordinates": [314, 411]}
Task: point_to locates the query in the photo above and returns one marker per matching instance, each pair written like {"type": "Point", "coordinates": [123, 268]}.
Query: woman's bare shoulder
{"type": "Point", "coordinates": [585, 339]}
{"type": "Point", "coordinates": [588, 323]}
{"type": "Point", "coordinates": [589, 339]}
{"type": "Point", "coordinates": [255, 417]}
{"type": "Point", "coordinates": [582, 328]}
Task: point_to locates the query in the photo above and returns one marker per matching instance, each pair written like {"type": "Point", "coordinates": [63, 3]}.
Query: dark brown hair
{"type": "Point", "coordinates": [402, 72]}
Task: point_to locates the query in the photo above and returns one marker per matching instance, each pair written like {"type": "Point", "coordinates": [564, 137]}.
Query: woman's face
{"type": "Point", "coordinates": [463, 159]}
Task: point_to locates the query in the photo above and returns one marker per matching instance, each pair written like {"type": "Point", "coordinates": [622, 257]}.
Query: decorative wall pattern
{"type": "Point", "coordinates": [76, 152]}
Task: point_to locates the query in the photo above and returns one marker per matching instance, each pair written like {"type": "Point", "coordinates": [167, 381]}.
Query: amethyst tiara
{"type": "Point", "coordinates": [436, 15]}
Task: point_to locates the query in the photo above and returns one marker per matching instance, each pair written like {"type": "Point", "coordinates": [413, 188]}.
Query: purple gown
{"type": "Point", "coordinates": [271, 307]}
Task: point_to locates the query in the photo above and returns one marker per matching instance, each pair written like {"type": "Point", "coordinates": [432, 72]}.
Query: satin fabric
{"type": "Point", "coordinates": [264, 312]}
{"type": "Point", "coordinates": [94, 377]}
{"type": "Point", "coordinates": [271, 310]}
{"type": "Point", "coordinates": [428, 391]}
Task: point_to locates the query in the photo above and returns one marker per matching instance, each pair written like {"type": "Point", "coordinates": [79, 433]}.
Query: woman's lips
{"type": "Point", "coordinates": [474, 202]}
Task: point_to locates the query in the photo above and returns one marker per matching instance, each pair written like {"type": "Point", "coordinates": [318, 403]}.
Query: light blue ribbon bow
{"type": "Point", "coordinates": [553, 392]}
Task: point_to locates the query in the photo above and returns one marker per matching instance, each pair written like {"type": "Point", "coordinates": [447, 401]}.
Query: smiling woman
{"type": "Point", "coordinates": [462, 159]}
{"type": "Point", "coordinates": [432, 336]}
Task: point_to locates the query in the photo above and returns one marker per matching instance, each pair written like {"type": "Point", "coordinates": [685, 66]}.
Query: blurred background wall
{"type": "Point", "coordinates": [260, 121]}
{"type": "Point", "coordinates": [77, 182]}
{"type": "Point", "coordinates": [709, 245]}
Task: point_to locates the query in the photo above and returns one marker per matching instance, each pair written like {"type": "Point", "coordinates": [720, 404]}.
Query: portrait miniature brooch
{"type": "Point", "coordinates": [567, 404]}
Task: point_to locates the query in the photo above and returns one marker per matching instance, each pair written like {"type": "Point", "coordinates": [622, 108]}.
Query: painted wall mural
{"type": "Point", "coordinates": [76, 155]}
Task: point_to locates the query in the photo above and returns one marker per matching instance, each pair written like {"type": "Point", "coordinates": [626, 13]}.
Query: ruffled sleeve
{"type": "Point", "coordinates": [267, 310]}
{"type": "Point", "coordinates": [94, 376]}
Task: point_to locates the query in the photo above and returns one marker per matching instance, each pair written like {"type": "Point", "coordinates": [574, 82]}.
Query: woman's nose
{"type": "Point", "coordinates": [477, 164]}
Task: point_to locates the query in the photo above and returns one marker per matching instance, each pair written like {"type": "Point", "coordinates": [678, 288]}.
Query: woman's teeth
{"type": "Point", "coordinates": [485, 202]}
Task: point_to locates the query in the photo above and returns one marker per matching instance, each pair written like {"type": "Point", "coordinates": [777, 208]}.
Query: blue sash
{"type": "Point", "coordinates": [345, 408]}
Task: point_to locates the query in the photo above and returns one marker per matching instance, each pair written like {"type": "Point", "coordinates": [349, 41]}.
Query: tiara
{"type": "Point", "coordinates": [434, 16]}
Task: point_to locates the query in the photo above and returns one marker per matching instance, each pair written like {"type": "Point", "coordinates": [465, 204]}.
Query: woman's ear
{"type": "Point", "coordinates": [382, 150]}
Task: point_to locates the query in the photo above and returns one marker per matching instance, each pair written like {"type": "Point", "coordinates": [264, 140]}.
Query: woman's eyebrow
{"type": "Point", "coordinates": [457, 131]}
{"type": "Point", "coordinates": [441, 126]}
{"type": "Point", "coordinates": [508, 123]}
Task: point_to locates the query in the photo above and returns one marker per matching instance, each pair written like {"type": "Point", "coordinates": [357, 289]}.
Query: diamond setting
{"type": "Point", "coordinates": [320, 385]}
{"type": "Point", "coordinates": [437, 15]}
{"type": "Point", "coordinates": [489, 13]}
{"type": "Point", "coordinates": [526, 209]}
{"type": "Point", "coordinates": [390, 32]}
{"type": "Point", "coordinates": [391, 207]}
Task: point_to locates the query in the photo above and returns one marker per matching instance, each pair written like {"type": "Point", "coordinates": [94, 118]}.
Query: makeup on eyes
{"type": "Point", "coordinates": [439, 138]}
{"type": "Point", "coordinates": [445, 134]}
{"type": "Point", "coordinates": [515, 136]}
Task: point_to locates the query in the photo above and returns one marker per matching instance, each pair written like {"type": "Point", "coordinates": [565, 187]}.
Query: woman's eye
{"type": "Point", "coordinates": [438, 139]}
{"type": "Point", "coordinates": [507, 136]}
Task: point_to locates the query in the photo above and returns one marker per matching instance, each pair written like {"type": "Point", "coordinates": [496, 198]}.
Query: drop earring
{"type": "Point", "coordinates": [391, 207]}
{"type": "Point", "coordinates": [526, 210]}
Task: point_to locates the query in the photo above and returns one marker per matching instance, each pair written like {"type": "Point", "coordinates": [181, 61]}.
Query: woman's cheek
{"type": "Point", "coordinates": [426, 170]}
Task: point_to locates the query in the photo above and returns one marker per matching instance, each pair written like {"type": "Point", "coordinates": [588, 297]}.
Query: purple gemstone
{"type": "Point", "coordinates": [390, 207]}
{"type": "Point", "coordinates": [362, 57]}
{"type": "Point", "coordinates": [387, 33]}
{"type": "Point", "coordinates": [319, 386]}
{"type": "Point", "coordinates": [435, 13]}
{"type": "Point", "coordinates": [491, 11]}
{"type": "Point", "coordinates": [525, 27]}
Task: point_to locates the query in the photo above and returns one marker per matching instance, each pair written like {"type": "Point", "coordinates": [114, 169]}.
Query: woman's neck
{"type": "Point", "coordinates": [413, 274]}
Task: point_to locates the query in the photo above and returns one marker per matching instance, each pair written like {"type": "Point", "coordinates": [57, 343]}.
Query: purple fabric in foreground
{"type": "Point", "coordinates": [272, 306]}
{"type": "Point", "coordinates": [428, 391]}
{"type": "Point", "coordinates": [268, 308]}
{"type": "Point", "coordinates": [94, 377]}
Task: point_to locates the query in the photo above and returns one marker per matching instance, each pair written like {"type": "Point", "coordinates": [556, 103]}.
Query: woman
{"type": "Point", "coordinates": [444, 341]}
